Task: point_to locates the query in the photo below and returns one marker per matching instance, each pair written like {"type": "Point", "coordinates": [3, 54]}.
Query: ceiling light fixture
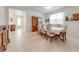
{"type": "Point", "coordinates": [48, 7]}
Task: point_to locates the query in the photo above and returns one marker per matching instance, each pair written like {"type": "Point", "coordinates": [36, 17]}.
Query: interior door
{"type": "Point", "coordinates": [34, 23]}
{"type": "Point", "coordinates": [19, 21]}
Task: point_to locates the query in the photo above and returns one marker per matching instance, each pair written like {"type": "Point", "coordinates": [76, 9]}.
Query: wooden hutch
{"type": "Point", "coordinates": [34, 23]}
{"type": "Point", "coordinates": [4, 37]}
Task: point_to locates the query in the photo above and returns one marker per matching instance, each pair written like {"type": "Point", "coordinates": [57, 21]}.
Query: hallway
{"type": "Point", "coordinates": [21, 41]}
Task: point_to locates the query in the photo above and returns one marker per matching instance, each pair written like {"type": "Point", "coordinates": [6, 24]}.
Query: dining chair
{"type": "Point", "coordinates": [44, 30]}
{"type": "Point", "coordinates": [62, 34]}
{"type": "Point", "coordinates": [49, 34]}
{"type": "Point", "coordinates": [39, 29]}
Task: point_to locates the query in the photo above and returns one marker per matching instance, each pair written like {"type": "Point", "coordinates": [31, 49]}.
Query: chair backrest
{"type": "Point", "coordinates": [39, 27]}
{"type": "Point", "coordinates": [42, 27]}
{"type": "Point", "coordinates": [49, 28]}
{"type": "Point", "coordinates": [45, 27]}
{"type": "Point", "coordinates": [63, 33]}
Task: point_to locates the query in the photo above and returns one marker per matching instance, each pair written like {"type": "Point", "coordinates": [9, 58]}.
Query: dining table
{"type": "Point", "coordinates": [56, 31]}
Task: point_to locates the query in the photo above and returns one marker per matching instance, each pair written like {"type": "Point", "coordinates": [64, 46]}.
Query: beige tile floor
{"type": "Point", "coordinates": [21, 41]}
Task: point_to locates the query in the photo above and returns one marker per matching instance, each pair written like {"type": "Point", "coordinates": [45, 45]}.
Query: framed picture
{"type": "Point", "coordinates": [75, 16]}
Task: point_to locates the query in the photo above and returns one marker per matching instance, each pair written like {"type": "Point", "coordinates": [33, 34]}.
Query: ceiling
{"type": "Point", "coordinates": [40, 9]}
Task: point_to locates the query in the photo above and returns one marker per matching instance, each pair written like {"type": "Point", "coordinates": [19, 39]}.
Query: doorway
{"type": "Point", "coordinates": [19, 21]}
{"type": "Point", "coordinates": [18, 18]}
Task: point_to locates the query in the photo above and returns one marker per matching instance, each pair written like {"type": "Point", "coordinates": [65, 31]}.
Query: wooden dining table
{"type": "Point", "coordinates": [57, 30]}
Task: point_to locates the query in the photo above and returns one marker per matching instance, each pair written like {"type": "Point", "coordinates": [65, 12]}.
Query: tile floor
{"type": "Point", "coordinates": [21, 41]}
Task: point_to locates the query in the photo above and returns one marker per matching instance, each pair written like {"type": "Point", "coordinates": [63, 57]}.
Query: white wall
{"type": "Point", "coordinates": [73, 29]}
{"type": "Point", "coordinates": [2, 16]}
{"type": "Point", "coordinates": [4, 19]}
{"type": "Point", "coordinates": [29, 15]}
{"type": "Point", "coordinates": [73, 26]}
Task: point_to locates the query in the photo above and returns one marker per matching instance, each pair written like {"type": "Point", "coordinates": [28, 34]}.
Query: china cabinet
{"type": "Point", "coordinates": [4, 37]}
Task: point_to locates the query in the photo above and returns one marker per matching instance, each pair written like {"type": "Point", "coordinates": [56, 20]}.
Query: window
{"type": "Point", "coordinates": [57, 18]}
{"type": "Point", "coordinates": [19, 21]}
